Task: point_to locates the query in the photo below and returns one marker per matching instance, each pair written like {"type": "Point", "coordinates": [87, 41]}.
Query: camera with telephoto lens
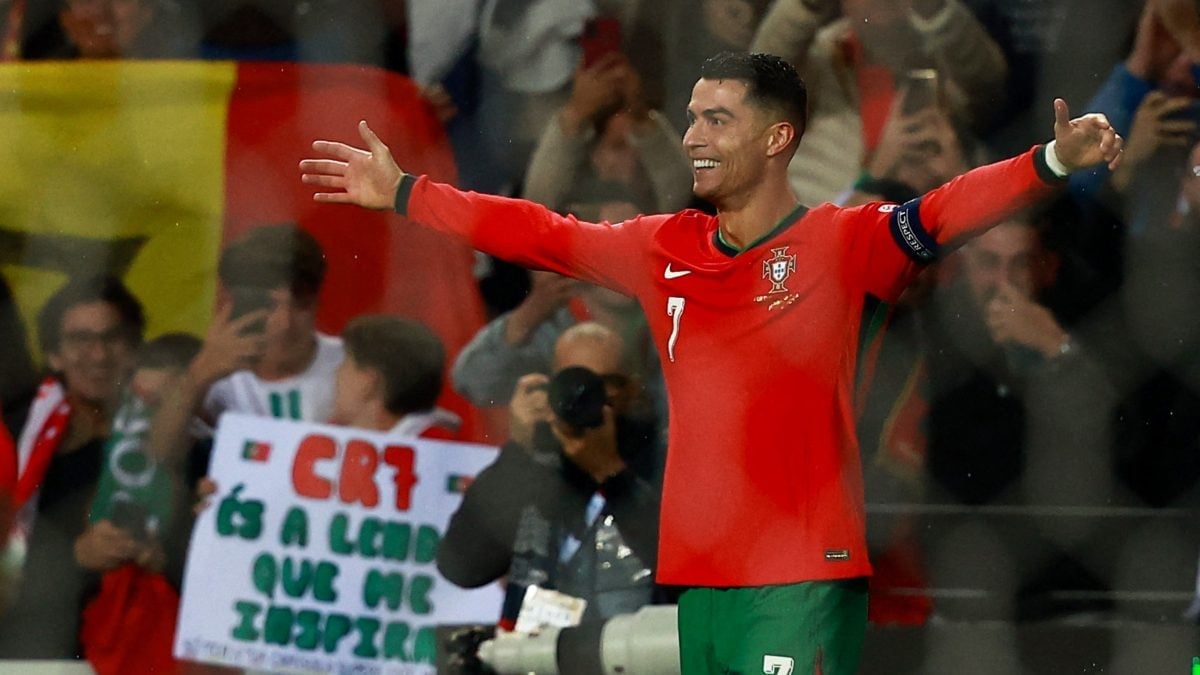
{"type": "Point", "coordinates": [577, 397]}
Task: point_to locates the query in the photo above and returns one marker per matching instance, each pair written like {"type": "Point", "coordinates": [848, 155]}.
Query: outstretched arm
{"type": "Point", "coordinates": [516, 230]}
{"type": "Point", "coordinates": [980, 198]}
{"type": "Point", "coordinates": [895, 240]}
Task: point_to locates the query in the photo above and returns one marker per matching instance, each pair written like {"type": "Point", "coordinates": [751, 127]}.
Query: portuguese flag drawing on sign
{"type": "Point", "coordinates": [145, 168]}
{"type": "Point", "coordinates": [256, 451]}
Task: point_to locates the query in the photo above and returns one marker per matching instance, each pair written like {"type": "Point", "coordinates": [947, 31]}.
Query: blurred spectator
{"type": "Point", "coordinates": [89, 331]}
{"type": "Point", "coordinates": [522, 341]}
{"type": "Point", "coordinates": [112, 29]}
{"type": "Point", "coordinates": [892, 407]}
{"type": "Point", "coordinates": [919, 149]}
{"type": "Point", "coordinates": [1047, 56]}
{"type": "Point", "coordinates": [606, 150]}
{"type": "Point", "coordinates": [138, 531]}
{"type": "Point", "coordinates": [12, 24]}
{"type": "Point", "coordinates": [527, 53]}
{"type": "Point", "coordinates": [261, 30]}
{"type": "Point", "coordinates": [263, 354]}
{"type": "Point", "coordinates": [587, 512]}
{"type": "Point", "coordinates": [390, 379]}
{"type": "Point", "coordinates": [855, 66]}
{"type": "Point", "coordinates": [1012, 393]}
{"type": "Point", "coordinates": [1151, 98]}
{"type": "Point", "coordinates": [692, 32]}
{"type": "Point", "coordinates": [1160, 446]}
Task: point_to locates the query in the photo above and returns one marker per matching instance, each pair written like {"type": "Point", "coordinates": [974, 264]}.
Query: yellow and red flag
{"type": "Point", "coordinates": [144, 169]}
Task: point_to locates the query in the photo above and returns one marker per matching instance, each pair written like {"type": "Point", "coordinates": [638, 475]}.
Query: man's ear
{"type": "Point", "coordinates": [780, 137]}
{"type": "Point", "coordinates": [378, 385]}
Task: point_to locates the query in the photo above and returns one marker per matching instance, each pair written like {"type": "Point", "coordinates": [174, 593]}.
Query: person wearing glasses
{"type": "Point", "coordinates": [89, 332]}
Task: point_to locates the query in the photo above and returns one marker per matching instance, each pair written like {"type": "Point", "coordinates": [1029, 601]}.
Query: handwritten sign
{"type": "Point", "coordinates": [318, 553]}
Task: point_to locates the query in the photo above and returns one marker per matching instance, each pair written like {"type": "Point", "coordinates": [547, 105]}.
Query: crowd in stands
{"type": "Point", "coordinates": [1053, 362]}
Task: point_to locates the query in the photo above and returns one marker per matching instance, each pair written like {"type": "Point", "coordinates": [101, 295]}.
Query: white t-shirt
{"type": "Point", "coordinates": [417, 424]}
{"type": "Point", "coordinates": [307, 396]}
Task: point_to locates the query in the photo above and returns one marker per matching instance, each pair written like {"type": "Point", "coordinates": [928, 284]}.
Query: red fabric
{"type": "Point", "coordinates": [376, 263]}
{"type": "Point", "coordinates": [897, 588]}
{"type": "Point", "coordinates": [763, 480]}
{"type": "Point", "coordinates": [903, 435]}
{"type": "Point", "coordinates": [8, 462]}
{"type": "Point", "coordinates": [876, 92]}
{"type": "Point", "coordinates": [129, 627]}
{"type": "Point", "coordinates": [440, 434]}
{"type": "Point", "coordinates": [8, 482]}
{"type": "Point", "coordinates": [48, 439]}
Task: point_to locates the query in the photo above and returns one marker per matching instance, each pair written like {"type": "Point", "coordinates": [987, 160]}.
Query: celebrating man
{"type": "Point", "coordinates": [756, 314]}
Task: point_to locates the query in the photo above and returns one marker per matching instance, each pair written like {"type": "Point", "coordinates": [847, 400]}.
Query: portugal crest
{"type": "Point", "coordinates": [778, 268]}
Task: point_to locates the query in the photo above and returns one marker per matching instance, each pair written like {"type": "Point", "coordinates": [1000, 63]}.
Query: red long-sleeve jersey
{"type": "Point", "coordinates": [763, 482]}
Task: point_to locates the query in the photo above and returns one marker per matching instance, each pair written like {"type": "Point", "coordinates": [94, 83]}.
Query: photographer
{"type": "Point", "coordinates": [562, 506]}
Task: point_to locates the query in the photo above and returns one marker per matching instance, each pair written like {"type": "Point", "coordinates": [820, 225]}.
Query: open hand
{"type": "Point", "coordinates": [367, 178]}
{"type": "Point", "coordinates": [228, 345]}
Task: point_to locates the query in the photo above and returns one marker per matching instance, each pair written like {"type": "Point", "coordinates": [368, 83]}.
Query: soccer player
{"type": "Point", "coordinates": [756, 314]}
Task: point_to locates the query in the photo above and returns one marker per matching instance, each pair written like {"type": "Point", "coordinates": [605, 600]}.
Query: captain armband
{"type": "Point", "coordinates": [910, 234]}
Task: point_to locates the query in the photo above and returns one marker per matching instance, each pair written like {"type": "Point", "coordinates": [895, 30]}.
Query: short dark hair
{"type": "Point", "coordinates": [770, 81]}
{"type": "Point", "coordinates": [408, 355]}
{"type": "Point", "coordinates": [272, 256]}
{"type": "Point", "coordinates": [84, 290]}
{"type": "Point", "coordinates": [169, 350]}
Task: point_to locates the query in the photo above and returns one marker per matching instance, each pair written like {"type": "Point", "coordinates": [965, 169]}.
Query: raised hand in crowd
{"type": "Point", "coordinates": [530, 405]}
{"type": "Point", "coordinates": [600, 88]}
{"type": "Point", "coordinates": [1014, 318]}
{"type": "Point", "coordinates": [547, 293]}
{"type": "Point", "coordinates": [1161, 121]}
{"type": "Point", "coordinates": [229, 345]}
{"type": "Point", "coordinates": [920, 150]}
{"type": "Point", "coordinates": [104, 546]}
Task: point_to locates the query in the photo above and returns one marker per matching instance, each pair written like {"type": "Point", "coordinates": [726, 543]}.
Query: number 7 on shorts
{"type": "Point", "coordinates": [778, 665]}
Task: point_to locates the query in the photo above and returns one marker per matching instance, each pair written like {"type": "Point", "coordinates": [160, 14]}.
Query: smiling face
{"type": "Point", "coordinates": [95, 352]}
{"type": "Point", "coordinates": [727, 141]}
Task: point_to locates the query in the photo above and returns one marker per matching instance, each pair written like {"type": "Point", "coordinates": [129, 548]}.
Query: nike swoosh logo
{"type": "Point", "coordinates": [674, 274]}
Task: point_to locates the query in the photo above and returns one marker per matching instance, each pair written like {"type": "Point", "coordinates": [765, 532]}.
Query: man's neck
{"type": "Point", "coordinates": [744, 222]}
{"type": "Point", "coordinates": [291, 364]}
{"type": "Point", "coordinates": [375, 417]}
{"type": "Point", "coordinates": [89, 419]}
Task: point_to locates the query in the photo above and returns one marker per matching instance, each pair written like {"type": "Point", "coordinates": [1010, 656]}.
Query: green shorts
{"type": "Point", "coordinates": [815, 627]}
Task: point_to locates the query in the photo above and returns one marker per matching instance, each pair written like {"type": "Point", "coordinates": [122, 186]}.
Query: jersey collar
{"type": "Point", "coordinates": [730, 250]}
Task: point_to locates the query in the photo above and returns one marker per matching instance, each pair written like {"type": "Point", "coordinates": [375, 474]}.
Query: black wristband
{"type": "Point", "coordinates": [1043, 168]}
{"type": "Point", "coordinates": [403, 192]}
